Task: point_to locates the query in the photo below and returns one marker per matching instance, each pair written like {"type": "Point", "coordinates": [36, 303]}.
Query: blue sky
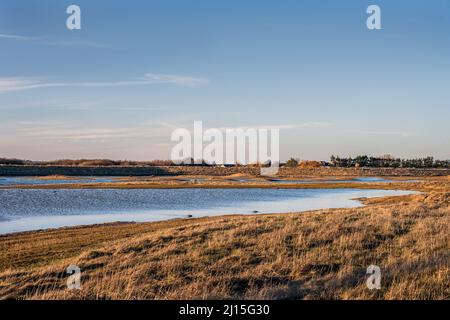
{"type": "Point", "coordinates": [139, 69]}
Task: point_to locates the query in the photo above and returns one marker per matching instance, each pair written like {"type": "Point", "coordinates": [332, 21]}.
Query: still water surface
{"type": "Point", "coordinates": [33, 209]}
{"type": "Point", "coordinates": [12, 181]}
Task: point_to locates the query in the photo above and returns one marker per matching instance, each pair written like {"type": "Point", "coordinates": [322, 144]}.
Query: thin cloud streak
{"type": "Point", "coordinates": [20, 84]}
{"type": "Point", "coordinates": [45, 40]}
{"type": "Point", "coordinates": [395, 133]}
{"type": "Point", "coordinates": [284, 126]}
{"type": "Point", "coordinates": [175, 79]}
{"type": "Point", "coordinates": [61, 131]}
{"type": "Point", "coordinates": [316, 124]}
{"type": "Point", "coordinates": [19, 37]}
{"type": "Point", "coordinates": [74, 43]}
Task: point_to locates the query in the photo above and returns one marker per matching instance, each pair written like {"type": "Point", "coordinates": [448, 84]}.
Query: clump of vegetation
{"type": "Point", "coordinates": [292, 163]}
{"type": "Point", "coordinates": [310, 164]}
{"type": "Point", "coordinates": [388, 161]}
{"type": "Point", "coordinates": [16, 162]}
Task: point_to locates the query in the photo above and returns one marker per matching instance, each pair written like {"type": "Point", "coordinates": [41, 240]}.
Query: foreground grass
{"type": "Point", "coordinates": [314, 255]}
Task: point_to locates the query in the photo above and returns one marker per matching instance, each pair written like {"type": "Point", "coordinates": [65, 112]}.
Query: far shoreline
{"type": "Point", "coordinates": [215, 171]}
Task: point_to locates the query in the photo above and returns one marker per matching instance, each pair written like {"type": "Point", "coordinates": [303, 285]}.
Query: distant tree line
{"type": "Point", "coordinates": [123, 163]}
{"type": "Point", "coordinates": [86, 162]}
{"type": "Point", "coordinates": [17, 162]}
{"type": "Point", "coordinates": [388, 161]}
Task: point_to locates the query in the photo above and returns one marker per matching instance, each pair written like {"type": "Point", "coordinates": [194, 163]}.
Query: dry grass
{"type": "Point", "coordinates": [315, 255]}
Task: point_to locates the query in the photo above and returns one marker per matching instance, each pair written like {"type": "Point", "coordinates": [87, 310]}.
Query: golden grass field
{"type": "Point", "coordinates": [314, 255]}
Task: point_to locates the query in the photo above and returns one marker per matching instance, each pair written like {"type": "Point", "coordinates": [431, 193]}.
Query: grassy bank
{"type": "Point", "coordinates": [315, 255]}
{"type": "Point", "coordinates": [225, 184]}
{"type": "Point", "coordinates": [213, 171]}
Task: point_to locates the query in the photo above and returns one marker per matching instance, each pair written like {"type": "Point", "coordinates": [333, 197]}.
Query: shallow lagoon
{"type": "Point", "coordinates": [33, 209]}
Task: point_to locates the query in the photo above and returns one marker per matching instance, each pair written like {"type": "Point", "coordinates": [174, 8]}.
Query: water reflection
{"type": "Point", "coordinates": [31, 209]}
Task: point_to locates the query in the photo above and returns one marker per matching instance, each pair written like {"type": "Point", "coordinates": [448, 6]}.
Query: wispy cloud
{"type": "Point", "coordinates": [281, 126]}
{"type": "Point", "coordinates": [78, 134]}
{"type": "Point", "coordinates": [74, 43]}
{"type": "Point", "coordinates": [45, 40]}
{"type": "Point", "coordinates": [15, 84]}
{"type": "Point", "coordinates": [316, 124]}
{"type": "Point", "coordinates": [19, 84]}
{"type": "Point", "coordinates": [67, 132]}
{"type": "Point", "coordinates": [21, 38]}
{"type": "Point", "coordinates": [296, 126]}
{"type": "Point", "coordinates": [390, 133]}
{"type": "Point", "coordinates": [175, 79]}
